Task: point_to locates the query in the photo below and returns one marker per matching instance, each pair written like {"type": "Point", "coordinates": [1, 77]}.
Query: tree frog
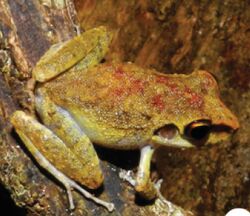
{"type": "Point", "coordinates": [115, 105]}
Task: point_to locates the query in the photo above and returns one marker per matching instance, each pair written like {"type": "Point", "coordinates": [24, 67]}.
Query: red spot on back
{"type": "Point", "coordinates": [194, 99]}
{"type": "Point", "coordinates": [158, 102]}
{"type": "Point", "coordinates": [173, 87]}
{"type": "Point", "coordinates": [162, 79]}
{"type": "Point", "coordinates": [137, 86]}
{"type": "Point", "coordinates": [118, 92]}
{"type": "Point", "coordinates": [188, 90]}
{"type": "Point", "coordinates": [119, 73]}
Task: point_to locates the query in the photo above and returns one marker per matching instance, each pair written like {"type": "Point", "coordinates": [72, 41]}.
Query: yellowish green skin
{"type": "Point", "coordinates": [119, 106]}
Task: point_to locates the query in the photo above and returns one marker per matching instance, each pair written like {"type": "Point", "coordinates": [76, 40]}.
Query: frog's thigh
{"type": "Point", "coordinates": [52, 154]}
{"type": "Point", "coordinates": [144, 185]}
{"type": "Point", "coordinates": [65, 127]}
{"type": "Point", "coordinates": [99, 50]}
{"type": "Point", "coordinates": [82, 51]}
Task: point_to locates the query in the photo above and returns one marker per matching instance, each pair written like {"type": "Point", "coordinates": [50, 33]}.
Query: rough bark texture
{"type": "Point", "coordinates": [170, 36]}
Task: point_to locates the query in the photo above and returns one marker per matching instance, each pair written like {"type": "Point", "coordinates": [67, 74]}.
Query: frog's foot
{"type": "Point", "coordinates": [128, 176]}
{"type": "Point", "coordinates": [161, 197]}
{"type": "Point", "coordinates": [142, 182]}
{"type": "Point", "coordinates": [69, 184]}
{"type": "Point", "coordinates": [173, 210]}
{"type": "Point", "coordinates": [58, 160]}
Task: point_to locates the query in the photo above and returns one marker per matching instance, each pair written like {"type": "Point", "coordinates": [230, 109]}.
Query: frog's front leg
{"type": "Point", "coordinates": [143, 185]}
{"type": "Point", "coordinates": [74, 159]}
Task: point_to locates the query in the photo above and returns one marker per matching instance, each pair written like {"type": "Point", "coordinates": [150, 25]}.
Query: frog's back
{"type": "Point", "coordinates": [116, 94]}
{"type": "Point", "coordinates": [130, 101]}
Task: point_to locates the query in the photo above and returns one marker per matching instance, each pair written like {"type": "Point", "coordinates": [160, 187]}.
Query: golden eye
{"type": "Point", "coordinates": [198, 130]}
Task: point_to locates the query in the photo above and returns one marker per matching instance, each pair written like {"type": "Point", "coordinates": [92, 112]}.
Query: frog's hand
{"type": "Point", "coordinates": [59, 159]}
{"type": "Point", "coordinates": [85, 50]}
{"type": "Point", "coordinates": [143, 184]}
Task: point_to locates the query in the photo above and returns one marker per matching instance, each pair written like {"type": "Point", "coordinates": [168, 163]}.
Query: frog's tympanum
{"type": "Point", "coordinates": [119, 106]}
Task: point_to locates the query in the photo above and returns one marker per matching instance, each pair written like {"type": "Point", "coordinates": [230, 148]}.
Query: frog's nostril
{"type": "Point", "coordinates": [168, 131]}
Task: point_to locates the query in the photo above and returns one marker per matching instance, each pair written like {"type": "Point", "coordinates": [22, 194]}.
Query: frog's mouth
{"type": "Point", "coordinates": [169, 135]}
{"type": "Point", "coordinates": [196, 133]}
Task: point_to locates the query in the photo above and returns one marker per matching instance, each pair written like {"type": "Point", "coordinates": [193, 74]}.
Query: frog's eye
{"type": "Point", "coordinates": [198, 130]}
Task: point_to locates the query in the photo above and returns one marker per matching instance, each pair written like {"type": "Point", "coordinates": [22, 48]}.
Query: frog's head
{"type": "Point", "coordinates": [207, 120]}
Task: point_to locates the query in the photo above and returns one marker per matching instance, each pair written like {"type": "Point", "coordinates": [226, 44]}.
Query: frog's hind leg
{"type": "Point", "coordinates": [40, 141]}
{"type": "Point", "coordinates": [65, 127]}
{"type": "Point", "coordinates": [79, 53]}
{"type": "Point", "coordinates": [63, 149]}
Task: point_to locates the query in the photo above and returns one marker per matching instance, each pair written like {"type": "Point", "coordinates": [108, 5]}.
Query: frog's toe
{"type": "Point", "coordinates": [33, 133]}
{"type": "Point", "coordinates": [127, 175]}
{"type": "Point", "coordinates": [70, 184]}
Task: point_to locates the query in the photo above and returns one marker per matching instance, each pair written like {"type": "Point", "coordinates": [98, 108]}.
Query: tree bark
{"type": "Point", "coordinates": [28, 30]}
{"type": "Point", "coordinates": [170, 36]}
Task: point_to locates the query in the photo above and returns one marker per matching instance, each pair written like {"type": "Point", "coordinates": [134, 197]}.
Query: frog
{"type": "Point", "coordinates": [82, 101]}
